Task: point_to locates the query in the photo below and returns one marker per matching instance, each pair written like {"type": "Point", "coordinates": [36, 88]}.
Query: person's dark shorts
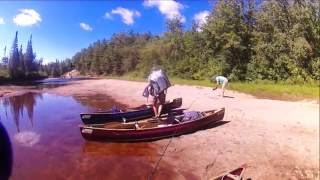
{"type": "Point", "coordinates": [160, 100]}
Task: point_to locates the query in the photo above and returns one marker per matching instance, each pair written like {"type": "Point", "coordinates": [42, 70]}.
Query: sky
{"type": "Point", "coordinates": [59, 29]}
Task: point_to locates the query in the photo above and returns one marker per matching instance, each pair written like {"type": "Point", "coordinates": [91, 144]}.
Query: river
{"type": "Point", "coordinates": [47, 143]}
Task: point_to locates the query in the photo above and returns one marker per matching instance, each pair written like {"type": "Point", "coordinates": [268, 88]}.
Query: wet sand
{"type": "Point", "coordinates": [277, 139]}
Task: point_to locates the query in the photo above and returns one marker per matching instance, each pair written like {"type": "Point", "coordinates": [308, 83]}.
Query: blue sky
{"type": "Point", "coordinates": [60, 29]}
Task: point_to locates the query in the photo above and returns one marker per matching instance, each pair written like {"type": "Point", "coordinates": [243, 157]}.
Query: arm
{"type": "Point", "coordinates": [215, 87]}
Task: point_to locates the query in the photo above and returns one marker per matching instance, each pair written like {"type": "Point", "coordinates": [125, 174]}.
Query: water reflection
{"type": "Point", "coordinates": [23, 106]}
{"type": "Point", "coordinates": [99, 102]}
{"type": "Point", "coordinates": [44, 130]}
{"type": "Point", "coordinates": [18, 105]}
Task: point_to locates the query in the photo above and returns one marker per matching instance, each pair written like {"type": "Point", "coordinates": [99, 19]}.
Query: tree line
{"type": "Point", "coordinates": [57, 68]}
{"type": "Point", "coordinates": [276, 40]}
{"type": "Point", "coordinates": [25, 66]}
{"type": "Point", "coordinates": [21, 65]}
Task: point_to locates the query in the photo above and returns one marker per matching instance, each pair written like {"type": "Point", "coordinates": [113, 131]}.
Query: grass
{"type": "Point", "coordinates": [4, 73]}
{"type": "Point", "coordinates": [281, 91]}
{"type": "Point", "coordinates": [4, 76]}
{"type": "Point", "coordinates": [259, 89]}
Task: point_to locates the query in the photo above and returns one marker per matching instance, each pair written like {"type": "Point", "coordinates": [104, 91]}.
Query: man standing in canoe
{"type": "Point", "coordinates": [220, 80]}
{"type": "Point", "coordinates": [157, 87]}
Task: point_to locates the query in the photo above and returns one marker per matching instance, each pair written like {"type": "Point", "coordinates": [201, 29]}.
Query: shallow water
{"type": "Point", "coordinates": [47, 143]}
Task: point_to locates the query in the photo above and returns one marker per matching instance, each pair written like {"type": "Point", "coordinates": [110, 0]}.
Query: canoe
{"type": "Point", "coordinates": [236, 174]}
{"type": "Point", "coordinates": [127, 115]}
{"type": "Point", "coordinates": [149, 129]}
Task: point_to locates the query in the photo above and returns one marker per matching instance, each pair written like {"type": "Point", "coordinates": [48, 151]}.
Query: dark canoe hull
{"type": "Point", "coordinates": [232, 175]}
{"type": "Point", "coordinates": [147, 134]}
{"type": "Point", "coordinates": [104, 117]}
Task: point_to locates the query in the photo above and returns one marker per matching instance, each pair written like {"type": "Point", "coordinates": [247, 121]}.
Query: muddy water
{"type": "Point", "coordinates": [47, 144]}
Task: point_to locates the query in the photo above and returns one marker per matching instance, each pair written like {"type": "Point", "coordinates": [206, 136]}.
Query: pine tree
{"type": "Point", "coordinates": [14, 58]}
{"type": "Point", "coordinates": [29, 58]}
{"type": "Point", "coordinates": [21, 62]}
{"type": "Point", "coordinates": [5, 58]}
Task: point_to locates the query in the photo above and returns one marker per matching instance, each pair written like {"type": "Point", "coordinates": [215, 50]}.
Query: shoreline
{"type": "Point", "coordinates": [20, 89]}
{"type": "Point", "coordinates": [269, 135]}
{"type": "Point", "coordinates": [277, 139]}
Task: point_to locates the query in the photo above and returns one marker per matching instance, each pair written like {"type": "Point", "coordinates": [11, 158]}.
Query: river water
{"type": "Point", "coordinates": [47, 143]}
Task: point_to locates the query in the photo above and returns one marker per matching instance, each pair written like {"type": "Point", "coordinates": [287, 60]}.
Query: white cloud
{"type": "Point", "coordinates": [108, 15]}
{"type": "Point", "coordinates": [201, 18]}
{"type": "Point", "coordinates": [170, 8]}
{"type": "Point", "coordinates": [126, 14]}
{"type": "Point", "coordinates": [86, 27]}
{"type": "Point", "coordinates": [2, 20]}
{"type": "Point", "coordinates": [27, 17]}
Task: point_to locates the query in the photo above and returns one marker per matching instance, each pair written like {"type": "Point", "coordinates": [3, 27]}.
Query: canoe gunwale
{"type": "Point", "coordinates": [140, 129]}
{"type": "Point", "coordinates": [104, 117]}
{"type": "Point", "coordinates": [153, 133]}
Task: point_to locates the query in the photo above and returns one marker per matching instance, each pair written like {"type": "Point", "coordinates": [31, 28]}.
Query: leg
{"type": "Point", "coordinates": [162, 100]}
{"type": "Point", "coordinates": [155, 111]}
{"type": "Point", "coordinates": [155, 106]}
{"type": "Point", "coordinates": [159, 110]}
{"type": "Point", "coordinates": [224, 84]}
{"type": "Point", "coordinates": [222, 91]}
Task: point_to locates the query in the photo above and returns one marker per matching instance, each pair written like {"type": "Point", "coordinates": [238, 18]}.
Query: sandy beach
{"type": "Point", "coordinates": [277, 139]}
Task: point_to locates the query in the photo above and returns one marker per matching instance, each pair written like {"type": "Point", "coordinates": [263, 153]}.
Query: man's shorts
{"type": "Point", "coordinates": [160, 99]}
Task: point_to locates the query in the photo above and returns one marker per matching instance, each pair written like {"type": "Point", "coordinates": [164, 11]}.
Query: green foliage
{"type": "Point", "coordinates": [286, 42]}
{"type": "Point", "coordinates": [29, 58]}
{"type": "Point", "coordinates": [21, 65]}
{"type": "Point", "coordinates": [115, 57]}
{"type": "Point", "coordinates": [4, 72]}
{"type": "Point", "coordinates": [244, 40]}
{"type": "Point", "coordinates": [57, 68]}
{"type": "Point", "coordinates": [226, 34]}
{"type": "Point", "coordinates": [13, 64]}
{"type": "Point", "coordinates": [25, 66]}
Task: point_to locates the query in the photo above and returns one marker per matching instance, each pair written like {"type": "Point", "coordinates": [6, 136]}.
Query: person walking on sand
{"type": "Point", "coordinates": [220, 80]}
{"type": "Point", "coordinates": [158, 83]}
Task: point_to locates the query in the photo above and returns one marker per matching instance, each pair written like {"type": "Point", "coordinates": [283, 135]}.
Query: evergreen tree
{"type": "Point", "coordinates": [241, 39]}
{"type": "Point", "coordinates": [5, 59]}
{"type": "Point", "coordinates": [30, 58]}
{"type": "Point", "coordinates": [55, 71]}
{"type": "Point", "coordinates": [21, 61]}
{"type": "Point", "coordinates": [14, 59]}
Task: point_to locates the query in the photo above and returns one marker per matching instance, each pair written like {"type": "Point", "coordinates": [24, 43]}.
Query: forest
{"type": "Point", "coordinates": [244, 40]}
{"type": "Point", "coordinates": [24, 66]}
